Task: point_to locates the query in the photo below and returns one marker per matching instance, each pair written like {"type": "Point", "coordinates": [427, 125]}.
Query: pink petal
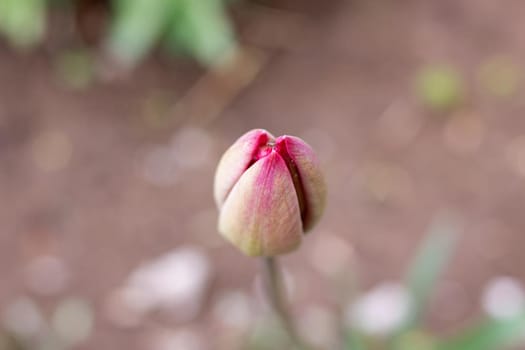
{"type": "Point", "coordinates": [310, 177]}
{"type": "Point", "coordinates": [261, 214]}
{"type": "Point", "coordinates": [236, 160]}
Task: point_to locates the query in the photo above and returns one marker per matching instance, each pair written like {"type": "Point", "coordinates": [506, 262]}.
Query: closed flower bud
{"type": "Point", "coordinates": [269, 191]}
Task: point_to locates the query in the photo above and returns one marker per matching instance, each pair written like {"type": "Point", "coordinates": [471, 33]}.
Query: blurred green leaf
{"type": "Point", "coordinates": [439, 87]}
{"type": "Point", "coordinates": [267, 335]}
{"type": "Point", "coordinates": [490, 334]}
{"type": "Point", "coordinates": [136, 27]}
{"type": "Point", "coordinates": [432, 256]}
{"type": "Point", "coordinates": [414, 340]}
{"type": "Point", "coordinates": [354, 340]}
{"type": "Point", "coordinates": [202, 29]}
{"type": "Point", "coordinates": [23, 21]}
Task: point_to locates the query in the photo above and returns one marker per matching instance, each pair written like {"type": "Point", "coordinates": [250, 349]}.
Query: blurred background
{"type": "Point", "coordinates": [113, 115]}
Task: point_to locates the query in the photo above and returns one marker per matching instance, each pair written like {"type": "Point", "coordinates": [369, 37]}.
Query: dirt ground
{"type": "Point", "coordinates": [78, 179]}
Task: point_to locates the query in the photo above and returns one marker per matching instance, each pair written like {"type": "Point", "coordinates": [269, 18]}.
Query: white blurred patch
{"type": "Point", "coordinates": [176, 281]}
{"type": "Point", "coordinates": [234, 309]}
{"type": "Point", "coordinates": [73, 321]}
{"type": "Point", "coordinates": [503, 297]}
{"type": "Point", "coordinates": [22, 317]}
{"type": "Point", "coordinates": [181, 339]}
{"type": "Point", "coordinates": [47, 275]}
{"type": "Point", "coordinates": [319, 326]}
{"type": "Point", "coordinates": [381, 310]}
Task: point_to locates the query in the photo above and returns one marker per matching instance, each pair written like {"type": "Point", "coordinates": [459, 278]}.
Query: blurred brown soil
{"type": "Point", "coordinates": [340, 77]}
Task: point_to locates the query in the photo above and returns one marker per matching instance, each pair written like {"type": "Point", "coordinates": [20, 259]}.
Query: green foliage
{"type": "Point", "coordinates": [200, 28]}
{"type": "Point", "coordinates": [428, 264]}
{"type": "Point", "coordinates": [440, 87]}
{"type": "Point", "coordinates": [430, 260]}
{"type": "Point", "coordinates": [415, 340]}
{"type": "Point", "coordinates": [487, 335]}
{"type": "Point", "coordinates": [136, 26]}
{"type": "Point", "coordinates": [267, 335]}
{"type": "Point", "coordinates": [354, 340]}
{"type": "Point", "coordinates": [23, 21]}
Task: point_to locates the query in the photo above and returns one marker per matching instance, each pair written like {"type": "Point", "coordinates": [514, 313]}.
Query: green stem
{"type": "Point", "coordinates": [273, 286]}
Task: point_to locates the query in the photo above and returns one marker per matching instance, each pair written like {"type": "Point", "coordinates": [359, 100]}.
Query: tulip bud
{"type": "Point", "coordinates": [269, 191]}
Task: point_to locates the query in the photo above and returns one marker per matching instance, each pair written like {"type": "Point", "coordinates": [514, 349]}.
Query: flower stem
{"type": "Point", "coordinates": [273, 286]}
